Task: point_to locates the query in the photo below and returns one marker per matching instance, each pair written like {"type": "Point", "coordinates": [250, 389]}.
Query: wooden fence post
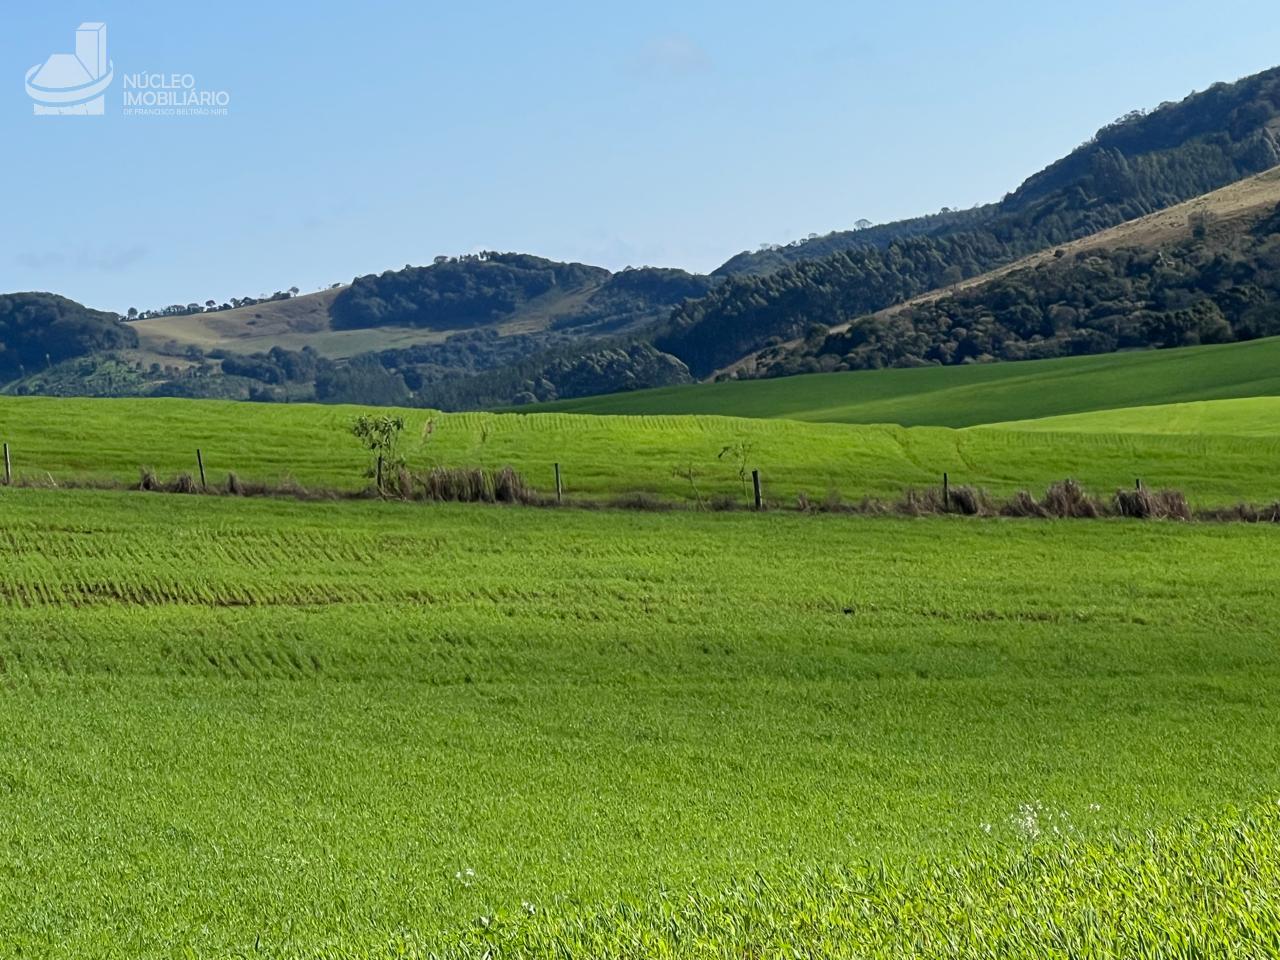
{"type": "Point", "coordinates": [755, 482]}
{"type": "Point", "coordinates": [946, 491]}
{"type": "Point", "coordinates": [559, 486]}
{"type": "Point", "coordinates": [1137, 484]}
{"type": "Point", "coordinates": [200, 464]}
{"type": "Point", "coordinates": [8, 468]}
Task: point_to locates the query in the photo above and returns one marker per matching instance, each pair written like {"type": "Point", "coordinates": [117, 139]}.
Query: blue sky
{"type": "Point", "coordinates": [364, 136]}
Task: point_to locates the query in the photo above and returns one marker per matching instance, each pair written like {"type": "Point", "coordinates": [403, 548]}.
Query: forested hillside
{"type": "Point", "coordinates": [453, 293]}
{"type": "Point", "coordinates": [484, 289]}
{"type": "Point", "coordinates": [1142, 163]}
{"type": "Point", "coordinates": [563, 375]}
{"type": "Point", "coordinates": [38, 330]}
{"type": "Point", "coordinates": [1215, 287]}
{"type": "Point", "coordinates": [772, 257]}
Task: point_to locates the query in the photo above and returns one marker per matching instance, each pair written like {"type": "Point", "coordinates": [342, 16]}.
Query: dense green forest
{"type": "Point", "coordinates": [1140, 164]}
{"type": "Point", "coordinates": [1216, 287]}
{"type": "Point", "coordinates": [38, 330]}
{"type": "Point", "coordinates": [634, 298]}
{"type": "Point", "coordinates": [775, 256]}
{"type": "Point", "coordinates": [562, 376]}
{"type": "Point", "coordinates": [456, 292]}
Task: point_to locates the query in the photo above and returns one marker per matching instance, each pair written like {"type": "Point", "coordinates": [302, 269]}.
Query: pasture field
{"type": "Point", "coordinates": [243, 728]}
{"type": "Point", "coordinates": [1248, 417]}
{"type": "Point", "coordinates": [965, 396]}
{"type": "Point", "coordinates": [62, 440]}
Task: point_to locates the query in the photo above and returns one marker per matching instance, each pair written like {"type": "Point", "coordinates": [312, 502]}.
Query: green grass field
{"type": "Point", "coordinates": [965, 396]}
{"type": "Point", "coordinates": [237, 728]}
{"type": "Point", "coordinates": [1249, 417]}
{"type": "Point", "coordinates": [608, 456]}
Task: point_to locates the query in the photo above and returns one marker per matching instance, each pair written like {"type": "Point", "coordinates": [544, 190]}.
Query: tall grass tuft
{"type": "Point", "coordinates": [473, 485]}
{"type": "Point", "coordinates": [1069, 501]}
{"type": "Point", "coordinates": [1143, 504]}
{"type": "Point", "coordinates": [968, 501]}
{"type": "Point", "coordinates": [1023, 504]}
{"type": "Point", "coordinates": [918, 503]}
{"type": "Point", "coordinates": [182, 483]}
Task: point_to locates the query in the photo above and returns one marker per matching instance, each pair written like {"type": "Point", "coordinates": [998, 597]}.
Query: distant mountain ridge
{"type": "Point", "coordinates": [1140, 164]}
{"type": "Point", "coordinates": [484, 329]}
{"type": "Point", "coordinates": [1244, 111]}
{"type": "Point", "coordinates": [492, 329]}
{"type": "Point", "coordinates": [1206, 271]}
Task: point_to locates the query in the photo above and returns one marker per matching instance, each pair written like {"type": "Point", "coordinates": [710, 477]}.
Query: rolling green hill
{"type": "Point", "coordinates": [970, 395]}
{"type": "Point", "coordinates": [1248, 417]}
{"type": "Point", "coordinates": [60, 440]}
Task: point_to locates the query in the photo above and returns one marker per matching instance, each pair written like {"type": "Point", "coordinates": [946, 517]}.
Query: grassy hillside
{"type": "Point", "coordinates": [609, 456]}
{"type": "Point", "coordinates": [1250, 417]}
{"type": "Point", "coordinates": [1141, 164]}
{"type": "Point", "coordinates": [509, 294]}
{"type": "Point", "coordinates": [253, 728]}
{"type": "Point", "coordinates": [301, 322]}
{"type": "Point", "coordinates": [291, 324]}
{"type": "Point", "coordinates": [1234, 207]}
{"type": "Point", "coordinates": [969, 395]}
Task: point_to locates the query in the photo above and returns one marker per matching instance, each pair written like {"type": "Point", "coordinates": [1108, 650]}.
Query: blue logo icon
{"type": "Point", "coordinates": [73, 84]}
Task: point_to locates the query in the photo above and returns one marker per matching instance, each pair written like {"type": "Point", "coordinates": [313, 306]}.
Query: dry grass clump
{"type": "Point", "coordinates": [918, 503]}
{"type": "Point", "coordinates": [182, 483]}
{"type": "Point", "coordinates": [1144, 504]}
{"type": "Point", "coordinates": [1070, 501]}
{"type": "Point", "coordinates": [1066, 501]}
{"type": "Point", "coordinates": [473, 485]}
{"type": "Point", "coordinates": [1023, 504]}
{"type": "Point", "coordinates": [150, 481]}
{"type": "Point", "coordinates": [968, 501]}
{"type": "Point", "coordinates": [1244, 513]}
